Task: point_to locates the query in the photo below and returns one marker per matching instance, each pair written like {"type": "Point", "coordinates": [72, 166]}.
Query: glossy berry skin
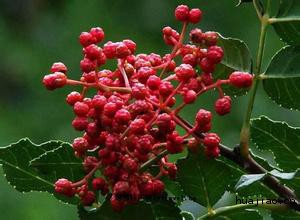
{"type": "Point", "coordinates": [182, 13]}
{"type": "Point", "coordinates": [86, 39]}
{"type": "Point", "coordinates": [184, 72]}
{"type": "Point", "coordinates": [88, 198]}
{"type": "Point", "coordinates": [153, 82]}
{"type": "Point", "coordinates": [98, 183]}
{"type": "Point", "coordinates": [80, 144]}
{"type": "Point", "coordinates": [81, 109]}
{"type": "Point", "coordinates": [97, 33]}
{"type": "Point", "coordinates": [195, 15]}
{"type": "Point", "coordinates": [55, 80]}
{"type": "Point", "coordinates": [203, 117]}
{"type": "Point", "coordinates": [211, 140]}
{"type": "Point", "coordinates": [59, 67]}
{"type": "Point", "coordinates": [64, 186]}
{"type": "Point", "coordinates": [240, 79]}
{"type": "Point", "coordinates": [73, 97]}
{"type": "Point", "coordinates": [92, 52]}
{"type": "Point", "coordinates": [223, 105]}
{"type": "Point", "coordinates": [122, 116]}
{"type": "Point", "coordinates": [190, 97]}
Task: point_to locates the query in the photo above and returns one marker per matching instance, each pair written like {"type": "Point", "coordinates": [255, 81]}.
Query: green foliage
{"type": "Point", "coordinates": [241, 214]}
{"type": "Point", "coordinates": [280, 138]}
{"type": "Point", "coordinates": [288, 25]}
{"type": "Point", "coordinates": [16, 161]}
{"type": "Point", "coordinates": [154, 210]}
{"type": "Point", "coordinates": [59, 163]}
{"type": "Point", "coordinates": [197, 176]}
{"type": "Point", "coordinates": [249, 179]}
{"type": "Point", "coordinates": [282, 78]}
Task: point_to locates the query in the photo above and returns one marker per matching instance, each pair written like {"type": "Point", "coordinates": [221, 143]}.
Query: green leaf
{"type": "Point", "coordinates": [59, 163]}
{"type": "Point", "coordinates": [187, 215]}
{"type": "Point", "coordinates": [280, 138]}
{"type": "Point", "coordinates": [236, 57]}
{"type": "Point", "coordinates": [282, 78]}
{"type": "Point", "coordinates": [249, 214]}
{"type": "Point", "coordinates": [248, 179]}
{"type": "Point", "coordinates": [155, 210]}
{"type": "Point", "coordinates": [173, 189]}
{"type": "Point", "coordinates": [197, 175]}
{"type": "Point", "coordinates": [253, 191]}
{"type": "Point", "coordinates": [287, 21]}
{"type": "Point", "coordinates": [15, 160]}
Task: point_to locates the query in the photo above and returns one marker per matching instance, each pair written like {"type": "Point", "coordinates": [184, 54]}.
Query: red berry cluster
{"type": "Point", "coordinates": [131, 121]}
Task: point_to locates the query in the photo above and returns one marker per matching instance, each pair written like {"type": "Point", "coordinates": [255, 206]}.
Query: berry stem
{"type": "Point", "coordinates": [122, 70]}
{"type": "Point", "coordinates": [245, 132]}
{"type": "Point", "coordinates": [159, 156]}
{"type": "Point", "coordinates": [234, 208]}
{"type": "Point", "coordinates": [87, 177]}
{"type": "Point", "coordinates": [176, 48]}
{"type": "Point", "coordinates": [99, 86]}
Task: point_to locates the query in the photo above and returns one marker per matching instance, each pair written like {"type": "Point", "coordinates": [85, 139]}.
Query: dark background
{"type": "Point", "coordinates": [36, 33]}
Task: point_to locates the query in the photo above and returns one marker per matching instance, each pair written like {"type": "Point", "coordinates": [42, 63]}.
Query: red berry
{"type": "Point", "coordinates": [89, 163]}
{"type": "Point", "coordinates": [137, 126]}
{"type": "Point", "coordinates": [122, 51]}
{"type": "Point", "coordinates": [130, 45]}
{"type": "Point", "coordinates": [211, 140]}
{"type": "Point", "coordinates": [92, 51]}
{"type": "Point", "coordinates": [172, 171]}
{"type": "Point", "coordinates": [153, 82]}
{"type": "Point", "coordinates": [184, 72]}
{"type": "Point", "coordinates": [211, 38]}
{"type": "Point", "coordinates": [110, 109]}
{"type": "Point", "coordinates": [207, 79]}
{"type": "Point", "coordinates": [215, 54]}
{"type": "Point", "coordinates": [109, 49]}
{"type": "Point", "coordinates": [130, 165]}
{"type": "Point", "coordinates": [98, 102]}
{"type": "Point", "coordinates": [88, 198]}
{"type": "Point", "coordinates": [182, 13]}
{"type": "Point", "coordinates": [64, 186]}
{"type": "Point", "coordinates": [59, 67]}
{"type": "Point", "coordinates": [165, 88]}
{"type": "Point", "coordinates": [195, 15]}
{"type": "Point", "coordinates": [158, 187]}
{"type": "Point", "coordinates": [81, 109]}
{"type": "Point", "coordinates": [73, 97]}
{"type": "Point", "coordinates": [80, 123]}
{"type": "Point", "coordinates": [121, 189]}
{"type": "Point", "coordinates": [98, 33]}
{"type": "Point", "coordinates": [86, 39]}
{"type": "Point", "coordinates": [240, 79]}
{"type": "Point", "coordinates": [203, 117]}
{"type": "Point", "coordinates": [189, 97]}
{"type": "Point", "coordinates": [223, 105]}
{"type": "Point", "coordinates": [55, 80]}
{"type": "Point", "coordinates": [174, 143]}
{"type": "Point", "coordinates": [196, 35]}
{"type": "Point", "coordinates": [117, 205]}
{"type": "Point", "coordinates": [122, 116]}
{"type": "Point", "coordinates": [190, 59]}
{"type": "Point", "coordinates": [87, 65]}
{"type": "Point", "coordinates": [98, 183]}
{"type": "Point", "coordinates": [207, 65]}
{"type": "Point", "coordinates": [80, 144]}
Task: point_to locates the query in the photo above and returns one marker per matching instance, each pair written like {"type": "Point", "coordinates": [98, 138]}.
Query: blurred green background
{"type": "Point", "coordinates": [36, 33]}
